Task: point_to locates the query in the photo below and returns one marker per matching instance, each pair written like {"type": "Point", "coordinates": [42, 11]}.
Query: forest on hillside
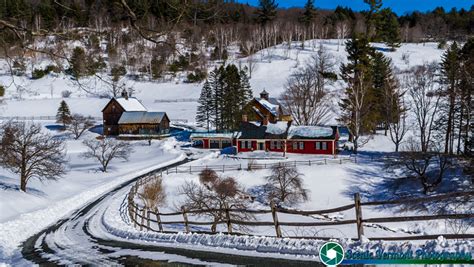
{"type": "Point", "coordinates": [158, 37]}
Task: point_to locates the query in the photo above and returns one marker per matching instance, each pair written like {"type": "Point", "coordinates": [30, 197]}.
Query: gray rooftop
{"type": "Point", "coordinates": [142, 117]}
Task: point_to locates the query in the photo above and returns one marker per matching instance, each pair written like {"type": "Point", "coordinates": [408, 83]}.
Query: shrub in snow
{"type": "Point", "coordinates": [286, 184]}
{"type": "Point", "coordinates": [27, 151]}
{"type": "Point", "coordinates": [66, 93]}
{"type": "Point", "coordinates": [153, 194]}
{"type": "Point", "coordinates": [106, 150]}
{"type": "Point", "coordinates": [213, 195]}
{"type": "Point", "coordinates": [78, 124]}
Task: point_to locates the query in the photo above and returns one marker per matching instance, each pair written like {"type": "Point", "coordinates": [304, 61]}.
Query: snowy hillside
{"type": "Point", "coordinates": [26, 97]}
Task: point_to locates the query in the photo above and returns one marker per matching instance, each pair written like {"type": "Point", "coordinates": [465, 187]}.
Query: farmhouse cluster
{"type": "Point", "coordinates": [265, 126]}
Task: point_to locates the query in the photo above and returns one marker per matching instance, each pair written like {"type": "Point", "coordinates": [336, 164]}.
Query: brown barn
{"type": "Point", "coordinates": [266, 109]}
{"type": "Point", "coordinates": [144, 123]}
{"type": "Point", "coordinates": [127, 115]}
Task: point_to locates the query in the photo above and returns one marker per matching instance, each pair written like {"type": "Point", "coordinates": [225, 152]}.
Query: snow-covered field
{"type": "Point", "coordinates": [24, 214]}
{"type": "Point", "coordinates": [26, 97]}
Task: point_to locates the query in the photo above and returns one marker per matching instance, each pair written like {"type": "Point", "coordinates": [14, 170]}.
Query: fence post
{"type": "Point", "coordinates": [355, 159]}
{"type": "Point", "coordinates": [325, 162]}
{"type": "Point", "coordinates": [185, 217]}
{"type": "Point", "coordinates": [223, 167]}
{"type": "Point", "coordinates": [275, 219]}
{"type": "Point", "coordinates": [358, 210]}
{"type": "Point", "coordinates": [166, 170]}
{"type": "Point", "coordinates": [143, 219]}
{"type": "Point", "coordinates": [190, 169]}
{"type": "Point", "coordinates": [148, 220]}
{"type": "Point", "coordinates": [227, 215]}
{"type": "Point", "coordinates": [340, 161]}
{"type": "Point", "coordinates": [176, 168]}
{"type": "Point", "coordinates": [158, 219]}
{"type": "Point", "coordinates": [309, 162]}
{"type": "Point", "coordinates": [136, 215]}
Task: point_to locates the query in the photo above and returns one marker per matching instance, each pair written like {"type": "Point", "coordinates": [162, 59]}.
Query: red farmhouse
{"type": "Point", "coordinates": [283, 137]}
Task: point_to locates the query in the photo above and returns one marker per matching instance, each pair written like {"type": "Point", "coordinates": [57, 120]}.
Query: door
{"type": "Point", "coordinates": [260, 145]}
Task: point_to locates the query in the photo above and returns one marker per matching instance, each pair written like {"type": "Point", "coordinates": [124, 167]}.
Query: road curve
{"type": "Point", "coordinates": [72, 241]}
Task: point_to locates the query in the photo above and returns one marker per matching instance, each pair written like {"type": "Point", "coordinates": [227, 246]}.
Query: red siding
{"type": "Point", "coordinates": [309, 147]}
{"type": "Point", "coordinates": [205, 143]}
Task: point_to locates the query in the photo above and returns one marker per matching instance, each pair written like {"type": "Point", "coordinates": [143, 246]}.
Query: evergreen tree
{"type": "Point", "coordinates": [309, 12]}
{"type": "Point", "coordinates": [64, 114]}
{"type": "Point", "coordinates": [246, 93]}
{"type": "Point", "coordinates": [266, 11]}
{"type": "Point", "coordinates": [205, 108]}
{"type": "Point", "coordinates": [372, 16]}
{"type": "Point", "coordinates": [466, 101]}
{"type": "Point", "coordinates": [216, 81]}
{"type": "Point", "coordinates": [450, 70]}
{"type": "Point", "coordinates": [78, 62]}
{"type": "Point", "coordinates": [356, 103]}
{"type": "Point", "coordinates": [388, 29]}
{"type": "Point", "coordinates": [231, 98]}
{"type": "Point", "coordinates": [384, 96]}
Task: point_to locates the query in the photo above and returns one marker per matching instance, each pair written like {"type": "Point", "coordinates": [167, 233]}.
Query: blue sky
{"type": "Point", "coordinates": [399, 6]}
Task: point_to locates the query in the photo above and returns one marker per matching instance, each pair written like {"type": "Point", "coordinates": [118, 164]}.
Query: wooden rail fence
{"type": "Point", "coordinates": [258, 166]}
{"type": "Point", "coordinates": [142, 217]}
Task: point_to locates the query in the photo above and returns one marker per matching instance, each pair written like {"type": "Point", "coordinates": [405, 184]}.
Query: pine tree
{"type": "Point", "coordinates": [216, 80]}
{"type": "Point", "coordinates": [466, 101]}
{"type": "Point", "coordinates": [356, 104]}
{"type": "Point", "coordinates": [205, 108]}
{"type": "Point", "coordinates": [231, 98]}
{"type": "Point", "coordinates": [372, 16]}
{"type": "Point", "coordinates": [246, 90]}
{"type": "Point", "coordinates": [78, 62]}
{"type": "Point", "coordinates": [450, 70]}
{"type": "Point", "coordinates": [266, 11]}
{"type": "Point", "coordinates": [385, 102]}
{"type": "Point", "coordinates": [64, 114]}
{"type": "Point", "coordinates": [309, 12]}
{"type": "Point", "coordinates": [388, 29]}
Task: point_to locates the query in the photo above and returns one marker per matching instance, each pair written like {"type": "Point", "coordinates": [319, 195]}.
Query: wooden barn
{"type": "Point", "coordinates": [144, 123]}
{"type": "Point", "coordinates": [127, 115]}
{"type": "Point", "coordinates": [266, 109]}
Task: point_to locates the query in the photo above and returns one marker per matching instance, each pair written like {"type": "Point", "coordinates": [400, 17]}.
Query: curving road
{"type": "Point", "coordinates": [79, 240]}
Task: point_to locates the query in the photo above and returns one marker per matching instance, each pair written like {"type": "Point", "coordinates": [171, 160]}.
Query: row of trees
{"type": "Point", "coordinates": [223, 96]}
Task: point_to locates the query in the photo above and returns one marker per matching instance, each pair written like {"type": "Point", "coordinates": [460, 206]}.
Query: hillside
{"type": "Point", "coordinates": [273, 66]}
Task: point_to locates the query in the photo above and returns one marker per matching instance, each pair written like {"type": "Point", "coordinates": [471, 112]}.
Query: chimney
{"type": "Point", "coordinates": [125, 94]}
{"type": "Point", "coordinates": [265, 120]}
{"type": "Point", "coordinates": [244, 118]}
{"type": "Point", "coordinates": [264, 94]}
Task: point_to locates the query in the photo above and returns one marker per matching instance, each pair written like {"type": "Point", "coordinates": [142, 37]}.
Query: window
{"type": "Point", "coordinates": [318, 145]}
{"type": "Point", "coordinates": [295, 145]}
{"type": "Point", "coordinates": [272, 144]}
{"type": "Point", "coordinates": [242, 144]}
{"type": "Point", "coordinates": [278, 143]}
{"type": "Point", "coordinates": [249, 144]}
{"type": "Point", "coordinates": [325, 146]}
{"type": "Point", "coordinates": [301, 145]}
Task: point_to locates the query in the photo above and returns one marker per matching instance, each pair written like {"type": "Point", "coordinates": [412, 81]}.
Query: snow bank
{"type": "Point", "coordinates": [17, 230]}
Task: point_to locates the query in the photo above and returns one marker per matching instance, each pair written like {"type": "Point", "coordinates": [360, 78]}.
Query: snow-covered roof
{"type": "Point", "coordinates": [131, 117]}
{"type": "Point", "coordinates": [130, 104]}
{"type": "Point", "coordinates": [272, 107]}
{"type": "Point", "coordinates": [212, 135]}
{"type": "Point", "coordinates": [310, 132]}
{"type": "Point", "coordinates": [277, 128]}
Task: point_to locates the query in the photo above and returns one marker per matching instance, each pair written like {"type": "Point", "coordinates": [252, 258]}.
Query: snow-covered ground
{"type": "Point", "coordinates": [273, 66]}
{"type": "Point", "coordinates": [25, 213]}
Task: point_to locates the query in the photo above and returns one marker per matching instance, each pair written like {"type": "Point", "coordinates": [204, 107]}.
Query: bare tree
{"type": "Point", "coordinates": [286, 184]}
{"type": "Point", "coordinates": [398, 129]}
{"type": "Point", "coordinates": [427, 167]}
{"type": "Point", "coordinates": [306, 95]}
{"type": "Point", "coordinates": [214, 195]}
{"type": "Point", "coordinates": [27, 151]}
{"type": "Point", "coordinates": [420, 82]}
{"type": "Point", "coordinates": [396, 111]}
{"type": "Point", "coordinates": [79, 124]}
{"type": "Point", "coordinates": [153, 194]}
{"type": "Point", "coordinates": [105, 150]}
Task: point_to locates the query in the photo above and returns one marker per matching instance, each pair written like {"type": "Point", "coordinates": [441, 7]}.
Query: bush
{"type": "Point", "coordinates": [196, 76]}
{"type": "Point", "coordinates": [66, 93]}
{"type": "Point", "coordinates": [442, 44]}
{"type": "Point", "coordinates": [2, 90]}
{"type": "Point", "coordinates": [38, 74]}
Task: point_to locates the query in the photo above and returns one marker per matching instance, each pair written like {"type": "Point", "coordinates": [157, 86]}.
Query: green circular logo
{"type": "Point", "coordinates": [331, 253]}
